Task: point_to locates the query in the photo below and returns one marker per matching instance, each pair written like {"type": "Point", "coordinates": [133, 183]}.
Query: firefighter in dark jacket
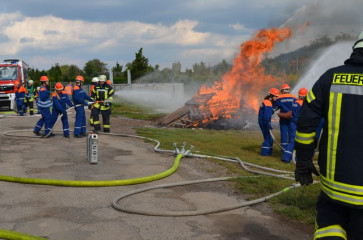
{"type": "Point", "coordinates": [337, 97]}
{"type": "Point", "coordinates": [102, 94]}
{"type": "Point", "coordinates": [29, 97]}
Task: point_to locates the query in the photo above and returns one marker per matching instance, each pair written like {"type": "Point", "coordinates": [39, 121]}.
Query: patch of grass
{"type": "Point", "coordinates": [297, 204]}
{"type": "Point", "coordinates": [135, 111]}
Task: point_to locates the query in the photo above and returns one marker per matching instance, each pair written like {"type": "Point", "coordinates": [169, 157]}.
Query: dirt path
{"type": "Point", "coordinates": [66, 213]}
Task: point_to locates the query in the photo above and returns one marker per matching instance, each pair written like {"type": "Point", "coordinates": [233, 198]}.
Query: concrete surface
{"type": "Point", "coordinates": [67, 213]}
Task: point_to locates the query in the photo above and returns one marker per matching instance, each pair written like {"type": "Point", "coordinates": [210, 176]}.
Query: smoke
{"type": "Point", "coordinates": [322, 18]}
{"type": "Point", "coordinates": [333, 56]}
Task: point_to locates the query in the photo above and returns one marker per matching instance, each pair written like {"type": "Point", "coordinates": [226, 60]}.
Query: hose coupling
{"type": "Point", "coordinates": [176, 152]}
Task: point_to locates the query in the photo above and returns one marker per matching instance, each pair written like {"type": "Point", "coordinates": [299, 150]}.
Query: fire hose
{"type": "Point", "coordinates": [11, 235]}
{"type": "Point", "coordinates": [273, 137]}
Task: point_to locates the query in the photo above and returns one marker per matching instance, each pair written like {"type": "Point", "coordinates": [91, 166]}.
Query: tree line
{"type": "Point", "coordinates": [289, 66]}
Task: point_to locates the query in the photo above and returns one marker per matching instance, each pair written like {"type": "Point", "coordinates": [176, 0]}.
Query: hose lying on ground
{"type": "Point", "coordinates": [105, 183]}
{"type": "Point", "coordinates": [11, 235]}
{"type": "Point", "coordinates": [190, 213]}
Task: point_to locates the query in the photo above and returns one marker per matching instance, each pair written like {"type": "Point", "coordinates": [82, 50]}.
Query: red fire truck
{"type": "Point", "coordinates": [10, 71]}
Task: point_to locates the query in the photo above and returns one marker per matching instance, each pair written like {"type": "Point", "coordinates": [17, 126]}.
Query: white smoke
{"type": "Point", "coordinates": [333, 56]}
{"type": "Point", "coordinates": [157, 101]}
{"type": "Point", "coordinates": [323, 18]}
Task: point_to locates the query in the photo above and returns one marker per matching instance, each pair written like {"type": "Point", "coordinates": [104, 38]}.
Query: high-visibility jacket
{"type": "Point", "coordinates": [69, 89]}
{"type": "Point", "coordinates": [31, 91]}
{"type": "Point", "coordinates": [337, 97]}
{"type": "Point", "coordinates": [91, 89]}
{"type": "Point", "coordinates": [102, 93]}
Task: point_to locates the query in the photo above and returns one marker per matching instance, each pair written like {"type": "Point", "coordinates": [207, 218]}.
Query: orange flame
{"type": "Point", "coordinates": [241, 87]}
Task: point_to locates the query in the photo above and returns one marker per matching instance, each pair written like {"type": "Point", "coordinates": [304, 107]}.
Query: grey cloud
{"type": "Point", "coordinates": [3, 38]}
{"type": "Point", "coordinates": [26, 40]}
{"type": "Point", "coordinates": [51, 32]}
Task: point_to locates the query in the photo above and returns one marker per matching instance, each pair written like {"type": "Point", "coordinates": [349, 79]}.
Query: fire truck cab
{"type": "Point", "coordinates": [11, 70]}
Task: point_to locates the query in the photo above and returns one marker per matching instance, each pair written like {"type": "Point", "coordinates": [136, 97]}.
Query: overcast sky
{"type": "Point", "coordinates": [45, 32]}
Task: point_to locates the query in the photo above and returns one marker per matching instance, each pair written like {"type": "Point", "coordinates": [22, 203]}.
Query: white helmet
{"type": "Point", "coordinates": [95, 79]}
{"type": "Point", "coordinates": [30, 81]}
{"type": "Point", "coordinates": [102, 78]}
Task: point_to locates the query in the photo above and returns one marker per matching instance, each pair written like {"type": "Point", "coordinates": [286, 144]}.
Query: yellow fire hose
{"type": "Point", "coordinates": [105, 183]}
{"type": "Point", "coordinates": [4, 234]}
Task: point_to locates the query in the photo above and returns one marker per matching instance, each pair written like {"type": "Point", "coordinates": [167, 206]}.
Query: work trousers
{"type": "Point", "coordinates": [20, 106]}
{"type": "Point", "coordinates": [289, 149]}
{"type": "Point", "coordinates": [80, 124]}
{"type": "Point", "coordinates": [64, 119]}
{"type": "Point", "coordinates": [45, 120]}
{"type": "Point", "coordinates": [105, 119]}
{"type": "Point", "coordinates": [29, 103]}
{"type": "Point", "coordinates": [337, 222]}
{"type": "Point", "coordinates": [266, 149]}
{"type": "Point", "coordinates": [288, 133]}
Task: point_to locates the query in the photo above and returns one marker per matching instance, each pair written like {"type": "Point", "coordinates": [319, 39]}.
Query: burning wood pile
{"type": "Point", "coordinates": [233, 102]}
{"type": "Point", "coordinates": [190, 115]}
{"type": "Point", "coordinates": [197, 113]}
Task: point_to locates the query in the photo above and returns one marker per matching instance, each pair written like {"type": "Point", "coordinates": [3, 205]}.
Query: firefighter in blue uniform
{"type": "Point", "coordinates": [284, 103]}
{"type": "Point", "coordinates": [60, 102]}
{"type": "Point", "coordinates": [44, 103]}
{"type": "Point", "coordinates": [19, 97]}
{"type": "Point", "coordinates": [264, 120]}
{"type": "Point", "coordinates": [79, 98]}
{"type": "Point", "coordinates": [288, 153]}
{"type": "Point", "coordinates": [337, 97]}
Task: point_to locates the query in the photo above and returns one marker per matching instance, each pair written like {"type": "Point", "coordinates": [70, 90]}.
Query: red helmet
{"type": "Point", "coordinates": [274, 91]}
{"type": "Point", "coordinates": [303, 92]}
{"type": "Point", "coordinates": [58, 86]}
{"type": "Point", "coordinates": [44, 78]}
{"type": "Point", "coordinates": [285, 86]}
{"type": "Point", "coordinates": [79, 78]}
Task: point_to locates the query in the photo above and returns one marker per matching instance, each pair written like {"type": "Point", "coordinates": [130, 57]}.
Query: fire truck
{"type": "Point", "coordinates": [11, 70]}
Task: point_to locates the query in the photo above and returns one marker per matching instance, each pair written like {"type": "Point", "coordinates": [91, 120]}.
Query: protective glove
{"type": "Point", "coordinates": [269, 126]}
{"type": "Point", "coordinates": [303, 172]}
{"type": "Point", "coordinates": [106, 104]}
